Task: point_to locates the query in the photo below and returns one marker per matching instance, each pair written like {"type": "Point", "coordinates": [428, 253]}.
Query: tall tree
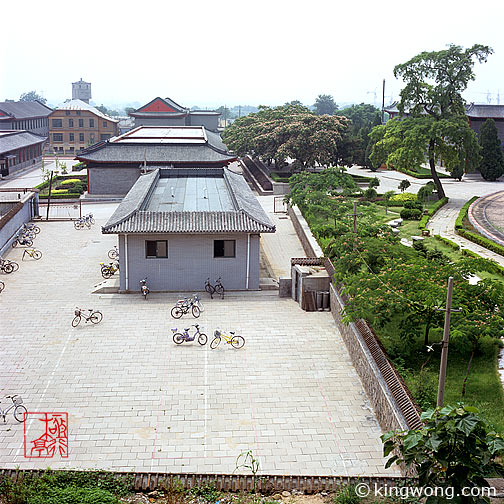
{"type": "Point", "coordinates": [32, 96]}
{"type": "Point", "coordinates": [325, 104]}
{"type": "Point", "coordinates": [436, 123]}
{"type": "Point", "coordinates": [492, 159]}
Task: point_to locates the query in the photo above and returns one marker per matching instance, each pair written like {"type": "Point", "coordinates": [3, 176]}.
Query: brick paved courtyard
{"type": "Point", "coordinates": [136, 401]}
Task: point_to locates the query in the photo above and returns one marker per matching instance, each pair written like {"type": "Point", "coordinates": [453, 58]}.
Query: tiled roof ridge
{"type": "Point", "coordinates": [84, 106]}
{"type": "Point", "coordinates": [135, 197]}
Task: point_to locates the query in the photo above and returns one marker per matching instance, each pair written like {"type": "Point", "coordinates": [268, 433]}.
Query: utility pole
{"type": "Point", "coordinates": [49, 196]}
{"type": "Point", "coordinates": [444, 344]}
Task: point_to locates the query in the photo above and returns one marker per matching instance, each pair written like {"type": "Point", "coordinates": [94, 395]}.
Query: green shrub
{"type": "Point", "coordinates": [459, 223]}
{"type": "Point", "coordinates": [69, 195]}
{"type": "Point", "coordinates": [446, 241]}
{"type": "Point", "coordinates": [71, 181]}
{"type": "Point", "coordinates": [411, 214]}
{"type": "Point", "coordinates": [482, 240]}
{"type": "Point", "coordinates": [370, 194]}
{"type": "Point", "coordinates": [413, 204]}
{"type": "Point", "coordinates": [59, 191]}
{"type": "Point", "coordinates": [425, 219]}
{"type": "Point", "coordinates": [405, 196]}
{"type": "Point", "coordinates": [347, 495]}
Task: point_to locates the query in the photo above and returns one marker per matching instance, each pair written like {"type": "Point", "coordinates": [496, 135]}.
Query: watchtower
{"type": "Point", "coordinates": [81, 91]}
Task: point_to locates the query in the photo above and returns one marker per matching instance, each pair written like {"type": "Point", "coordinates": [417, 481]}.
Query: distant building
{"type": "Point", "coordinates": [177, 227]}
{"type": "Point", "coordinates": [81, 91]}
{"type": "Point", "coordinates": [115, 165]}
{"type": "Point", "coordinates": [31, 116]}
{"type": "Point", "coordinates": [19, 149]}
{"type": "Point", "coordinates": [166, 112]}
{"type": "Point", "coordinates": [75, 125]}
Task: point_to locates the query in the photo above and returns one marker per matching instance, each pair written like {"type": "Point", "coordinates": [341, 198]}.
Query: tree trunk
{"type": "Point", "coordinates": [439, 186]}
{"type": "Point", "coordinates": [426, 334]}
{"type": "Point", "coordinates": [467, 373]}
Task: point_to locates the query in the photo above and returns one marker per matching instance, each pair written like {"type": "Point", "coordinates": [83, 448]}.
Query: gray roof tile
{"type": "Point", "coordinates": [14, 139]}
{"type": "Point", "coordinates": [25, 109]}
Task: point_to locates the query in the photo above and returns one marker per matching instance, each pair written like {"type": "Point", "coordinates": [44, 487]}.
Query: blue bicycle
{"type": "Point", "coordinates": [179, 338]}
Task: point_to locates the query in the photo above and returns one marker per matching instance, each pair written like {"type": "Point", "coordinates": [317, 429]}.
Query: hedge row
{"type": "Point", "coordinates": [481, 240]}
{"type": "Point", "coordinates": [498, 269]}
{"type": "Point", "coordinates": [425, 219]}
{"type": "Point", "coordinates": [459, 223]}
{"type": "Point", "coordinates": [422, 175]}
{"type": "Point", "coordinates": [446, 241]}
{"type": "Point", "coordinates": [61, 196]}
{"type": "Point", "coordinates": [43, 185]}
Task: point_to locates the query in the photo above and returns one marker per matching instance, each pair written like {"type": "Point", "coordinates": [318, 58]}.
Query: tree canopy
{"type": "Point", "coordinates": [325, 104]}
{"type": "Point", "coordinates": [290, 132]}
{"type": "Point", "coordinates": [32, 96]}
{"type": "Point", "coordinates": [492, 158]}
{"type": "Point", "coordinates": [436, 123]}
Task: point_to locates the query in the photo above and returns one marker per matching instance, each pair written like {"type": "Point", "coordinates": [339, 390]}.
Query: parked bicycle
{"type": "Point", "coordinates": [81, 223]}
{"type": "Point", "coordinates": [114, 253]}
{"type": "Point", "coordinates": [23, 241]}
{"type": "Point", "coordinates": [235, 341]}
{"type": "Point", "coordinates": [217, 288]}
{"type": "Point", "coordinates": [17, 405]}
{"type": "Point", "coordinates": [180, 338]}
{"type": "Point", "coordinates": [184, 306]}
{"type": "Point", "coordinates": [143, 287]}
{"type": "Point", "coordinates": [34, 253]}
{"type": "Point", "coordinates": [194, 299]}
{"type": "Point", "coordinates": [107, 270]}
{"type": "Point", "coordinates": [31, 227]}
{"type": "Point", "coordinates": [8, 266]}
{"type": "Point", "coordinates": [93, 316]}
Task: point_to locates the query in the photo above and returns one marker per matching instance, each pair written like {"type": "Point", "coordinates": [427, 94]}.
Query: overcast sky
{"type": "Point", "coordinates": [216, 52]}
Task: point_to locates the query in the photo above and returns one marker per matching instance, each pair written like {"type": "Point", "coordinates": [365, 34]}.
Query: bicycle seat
{"type": "Point", "coordinates": [187, 329]}
{"type": "Point", "coordinates": [232, 332]}
{"type": "Point", "coordinates": [174, 329]}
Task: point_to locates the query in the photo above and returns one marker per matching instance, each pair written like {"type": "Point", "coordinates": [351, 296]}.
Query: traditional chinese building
{"type": "Point", "coordinates": [32, 116]}
{"type": "Point", "coordinates": [114, 166]}
{"type": "Point", "coordinates": [19, 149]}
{"type": "Point", "coordinates": [166, 112]}
{"type": "Point", "coordinates": [177, 227]}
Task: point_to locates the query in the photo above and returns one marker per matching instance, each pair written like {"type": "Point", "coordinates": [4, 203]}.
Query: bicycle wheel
{"type": "Point", "coordinates": [2, 286]}
{"type": "Point", "coordinates": [112, 254]}
{"type": "Point", "coordinates": [199, 304]}
{"type": "Point", "coordinates": [37, 254]}
{"type": "Point", "coordinates": [19, 413]}
{"type": "Point", "coordinates": [14, 264]}
{"type": "Point", "coordinates": [220, 290]}
{"type": "Point", "coordinates": [215, 342]}
{"type": "Point", "coordinates": [8, 268]}
{"type": "Point", "coordinates": [91, 219]}
{"type": "Point", "coordinates": [15, 243]}
{"type": "Point", "coordinates": [77, 224]}
{"type": "Point", "coordinates": [210, 290]}
{"type": "Point", "coordinates": [202, 339]}
{"type": "Point", "coordinates": [195, 311]}
{"type": "Point", "coordinates": [177, 312]}
{"type": "Point", "coordinates": [76, 321]}
{"type": "Point", "coordinates": [28, 243]}
{"type": "Point", "coordinates": [178, 338]}
{"type": "Point", "coordinates": [106, 273]}
{"type": "Point", "coordinates": [237, 341]}
{"type": "Point", "coordinates": [96, 317]}
{"type": "Point", "coordinates": [36, 229]}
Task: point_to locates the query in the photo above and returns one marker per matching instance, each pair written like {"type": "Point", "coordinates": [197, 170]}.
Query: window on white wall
{"type": "Point", "coordinates": [224, 248]}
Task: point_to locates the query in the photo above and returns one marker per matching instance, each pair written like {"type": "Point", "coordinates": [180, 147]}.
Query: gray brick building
{"type": "Point", "coordinates": [177, 227]}
{"type": "Point", "coordinates": [114, 166]}
{"type": "Point", "coordinates": [32, 116]}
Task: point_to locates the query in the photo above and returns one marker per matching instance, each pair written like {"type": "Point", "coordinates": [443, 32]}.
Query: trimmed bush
{"type": "Point", "coordinates": [69, 195]}
{"type": "Point", "coordinates": [446, 241]}
{"type": "Point", "coordinates": [405, 196]}
{"type": "Point", "coordinates": [411, 214]}
{"type": "Point", "coordinates": [71, 181]}
{"type": "Point", "coordinates": [413, 204]}
{"type": "Point", "coordinates": [425, 219]}
{"type": "Point", "coordinates": [481, 240]}
{"type": "Point", "coordinates": [459, 223]}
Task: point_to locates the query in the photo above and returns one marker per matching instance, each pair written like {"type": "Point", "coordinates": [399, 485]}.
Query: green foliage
{"type": "Point", "coordinates": [456, 448]}
{"type": "Point", "coordinates": [411, 214]}
{"type": "Point", "coordinates": [246, 460]}
{"type": "Point", "coordinates": [325, 104]}
{"type": "Point", "coordinates": [448, 242]}
{"type": "Point", "coordinates": [413, 204]}
{"type": "Point", "coordinates": [374, 183]}
{"type": "Point", "coordinates": [32, 96]}
{"type": "Point", "coordinates": [404, 184]}
{"type": "Point", "coordinates": [347, 495]}
{"type": "Point", "coordinates": [459, 222]}
{"type": "Point", "coordinates": [482, 240]}
{"type": "Point", "coordinates": [70, 181]}
{"type": "Point", "coordinates": [425, 219]}
{"type": "Point", "coordinates": [492, 159]}
{"type": "Point", "coordinates": [208, 492]}
{"type": "Point", "coordinates": [72, 487]}
{"type": "Point", "coordinates": [370, 194]}
{"type": "Point", "coordinates": [291, 131]}
{"type": "Point", "coordinates": [424, 192]}
{"type": "Point", "coordinates": [405, 196]}
{"type": "Point", "coordinates": [434, 120]}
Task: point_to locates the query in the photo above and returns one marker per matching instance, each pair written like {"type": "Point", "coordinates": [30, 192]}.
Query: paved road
{"type": "Point", "coordinates": [136, 401]}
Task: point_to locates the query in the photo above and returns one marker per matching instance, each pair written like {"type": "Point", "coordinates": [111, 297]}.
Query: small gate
{"type": "Point", "coordinates": [60, 210]}
{"type": "Point", "coordinates": [279, 205]}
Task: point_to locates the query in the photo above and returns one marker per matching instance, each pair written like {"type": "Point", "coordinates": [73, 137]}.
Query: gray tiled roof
{"type": "Point", "coordinates": [130, 216]}
{"type": "Point", "coordinates": [161, 154]}
{"type": "Point", "coordinates": [82, 105]}
{"type": "Point", "coordinates": [485, 111]}
{"type": "Point", "coordinates": [25, 109]}
{"type": "Point", "coordinates": [13, 139]}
